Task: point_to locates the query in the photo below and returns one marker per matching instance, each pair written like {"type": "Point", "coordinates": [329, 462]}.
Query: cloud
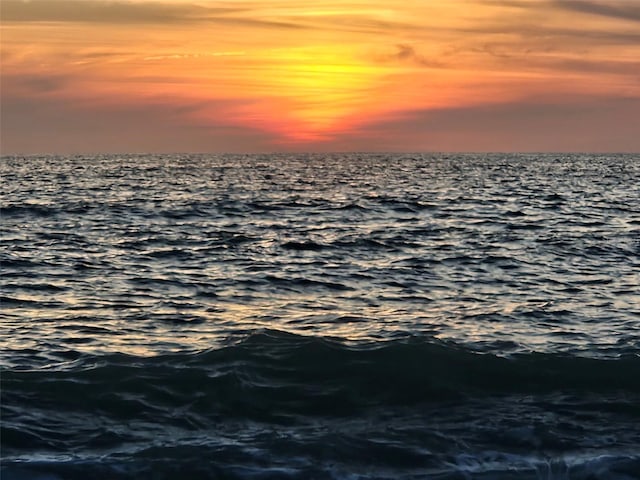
{"type": "Point", "coordinates": [548, 21]}
{"type": "Point", "coordinates": [330, 62]}
{"type": "Point", "coordinates": [531, 57]}
{"type": "Point", "coordinates": [579, 124]}
{"type": "Point", "coordinates": [37, 83]}
{"type": "Point", "coordinates": [560, 37]}
{"type": "Point", "coordinates": [57, 124]}
{"type": "Point", "coordinates": [407, 54]}
{"type": "Point", "coordinates": [183, 56]}
{"type": "Point", "coordinates": [622, 10]}
{"type": "Point", "coordinates": [98, 12]}
{"type": "Point", "coordinates": [344, 17]}
{"type": "Point", "coordinates": [365, 22]}
{"type": "Point", "coordinates": [122, 12]}
{"type": "Point", "coordinates": [616, 9]}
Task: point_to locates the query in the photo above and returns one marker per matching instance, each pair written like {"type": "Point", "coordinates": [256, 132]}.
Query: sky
{"type": "Point", "coordinates": [98, 76]}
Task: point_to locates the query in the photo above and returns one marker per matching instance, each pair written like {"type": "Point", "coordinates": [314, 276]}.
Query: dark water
{"type": "Point", "coordinates": [321, 317]}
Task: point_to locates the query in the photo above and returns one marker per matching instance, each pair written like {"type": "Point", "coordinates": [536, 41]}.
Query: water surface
{"type": "Point", "coordinates": [321, 316]}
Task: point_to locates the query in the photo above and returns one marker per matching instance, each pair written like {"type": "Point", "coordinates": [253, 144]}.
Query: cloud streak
{"type": "Point", "coordinates": [581, 124]}
{"type": "Point", "coordinates": [285, 75]}
{"type": "Point", "coordinates": [620, 10]}
{"type": "Point", "coordinates": [110, 12]}
{"type": "Point", "coordinates": [101, 12]}
{"type": "Point", "coordinates": [407, 54]}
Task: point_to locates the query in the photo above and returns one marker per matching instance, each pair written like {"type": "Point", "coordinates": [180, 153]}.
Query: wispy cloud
{"type": "Point", "coordinates": [351, 17]}
{"type": "Point", "coordinates": [186, 56]}
{"type": "Point", "coordinates": [623, 10]}
{"type": "Point", "coordinates": [321, 71]}
{"type": "Point", "coordinates": [101, 11]}
{"type": "Point", "coordinates": [616, 9]}
{"type": "Point", "coordinates": [123, 12]}
{"type": "Point", "coordinates": [407, 54]}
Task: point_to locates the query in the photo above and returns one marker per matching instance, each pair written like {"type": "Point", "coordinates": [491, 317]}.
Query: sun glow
{"type": "Point", "coordinates": [261, 76]}
{"type": "Point", "coordinates": [315, 93]}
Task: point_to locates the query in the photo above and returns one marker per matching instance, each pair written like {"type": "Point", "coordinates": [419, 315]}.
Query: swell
{"type": "Point", "coordinates": [272, 374]}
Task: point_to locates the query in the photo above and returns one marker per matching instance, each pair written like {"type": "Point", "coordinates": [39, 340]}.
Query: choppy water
{"type": "Point", "coordinates": [321, 317]}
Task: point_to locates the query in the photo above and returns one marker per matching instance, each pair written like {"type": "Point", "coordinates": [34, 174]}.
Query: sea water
{"type": "Point", "coordinates": [343, 316]}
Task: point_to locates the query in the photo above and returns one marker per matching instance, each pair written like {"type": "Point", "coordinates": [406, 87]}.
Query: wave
{"type": "Point", "coordinates": [229, 464]}
{"type": "Point", "coordinates": [279, 405]}
{"type": "Point", "coordinates": [271, 373]}
{"type": "Point", "coordinates": [27, 210]}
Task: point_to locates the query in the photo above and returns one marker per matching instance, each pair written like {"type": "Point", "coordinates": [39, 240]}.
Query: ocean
{"type": "Point", "coordinates": [338, 316]}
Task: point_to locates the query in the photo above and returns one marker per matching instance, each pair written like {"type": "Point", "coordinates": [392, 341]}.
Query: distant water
{"type": "Point", "coordinates": [321, 317]}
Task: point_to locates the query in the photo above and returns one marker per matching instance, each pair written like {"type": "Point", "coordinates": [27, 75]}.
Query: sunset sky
{"type": "Point", "coordinates": [84, 76]}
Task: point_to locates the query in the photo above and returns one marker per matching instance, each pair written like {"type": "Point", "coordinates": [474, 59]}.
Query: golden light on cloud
{"type": "Point", "coordinates": [284, 75]}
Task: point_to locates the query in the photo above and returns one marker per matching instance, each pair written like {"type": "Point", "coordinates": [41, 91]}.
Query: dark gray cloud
{"type": "Point", "coordinates": [623, 10]}
{"type": "Point", "coordinates": [579, 124]}
{"type": "Point", "coordinates": [43, 84]}
{"type": "Point", "coordinates": [57, 125]}
{"type": "Point", "coordinates": [533, 20]}
{"type": "Point", "coordinates": [33, 85]}
{"type": "Point", "coordinates": [617, 9]}
{"type": "Point", "coordinates": [51, 124]}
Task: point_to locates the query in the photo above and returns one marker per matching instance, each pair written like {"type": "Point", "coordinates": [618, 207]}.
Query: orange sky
{"type": "Point", "coordinates": [250, 76]}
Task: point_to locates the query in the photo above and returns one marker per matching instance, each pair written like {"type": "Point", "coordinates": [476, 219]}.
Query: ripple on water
{"type": "Point", "coordinates": [320, 316]}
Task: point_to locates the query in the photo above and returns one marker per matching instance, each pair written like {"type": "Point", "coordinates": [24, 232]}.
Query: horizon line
{"type": "Point", "coordinates": [336, 152]}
